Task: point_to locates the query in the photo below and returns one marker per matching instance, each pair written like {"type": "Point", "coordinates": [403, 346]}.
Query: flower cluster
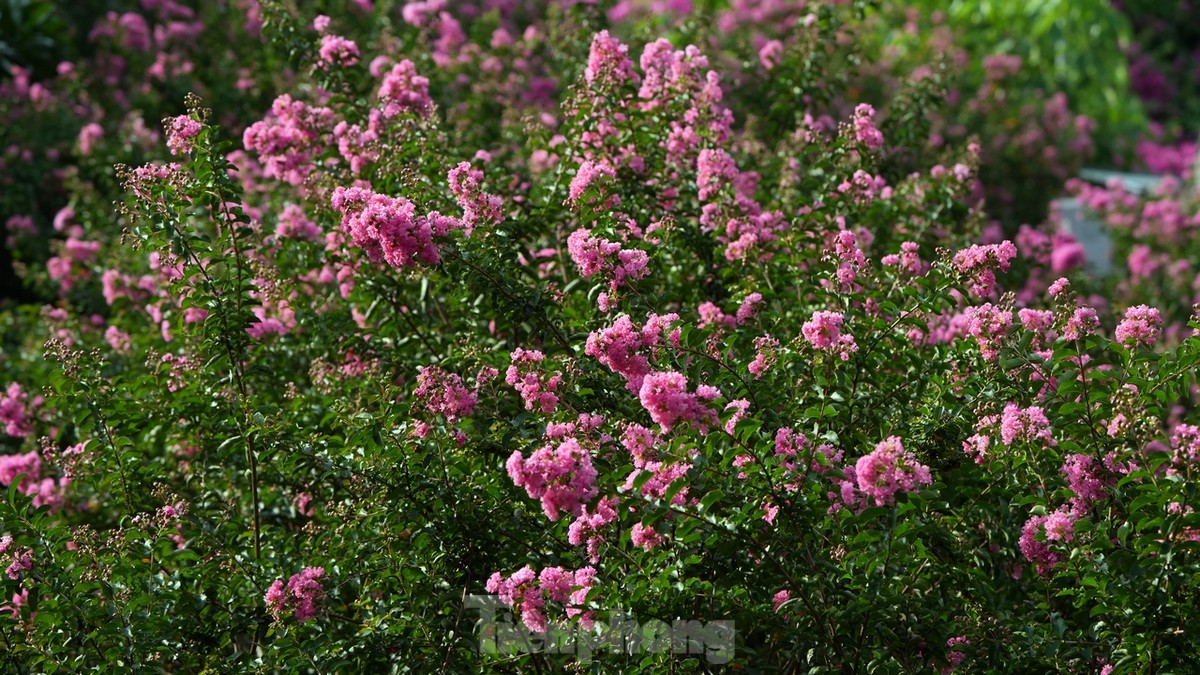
{"type": "Point", "coordinates": [525, 376]}
{"type": "Point", "coordinates": [527, 592]}
{"type": "Point", "coordinates": [561, 476]}
{"type": "Point", "coordinates": [824, 331]}
{"type": "Point", "coordinates": [303, 595]}
{"type": "Point", "coordinates": [388, 229]}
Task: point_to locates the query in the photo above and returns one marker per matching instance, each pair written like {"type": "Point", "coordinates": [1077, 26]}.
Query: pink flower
{"type": "Point", "coordinates": [303, 595]}
{"type": "Point", "coordinates": [478, 206]}
{"type": "Point", "coordinates": [536, 390]}
{"type": "Point", "coordinates": [336, 50]}
{"type": "Point", "coordinates": [864, 127]}
{"type": "Point", "coordinates": [824, 332]}
{"type": "Point", "coordinates": [181, 133]}
{"type": "Point", "coordinates": [13, 412]}
{"type": "Point", "coordinates": [645, 537]}
{"type": "Point", "coordinates": [1083, 322]}
{"type": "Point", "coordinates": [443, 393]}
{"type": "Point", "coordinates": [586, 176]}
{"type": "Point", "coordinates": [978, 264]}
{"type": "Point", "coordinates": [562, 477]}
{"type": "Point", "coordinates": [665, 395]}
{"type": "Point", "coordinates": [389, 229]}
{"type": "Point", "coordinates": [1140, 327]}
{"type": "Point", "coordinates": [1025, 424]}
{"type": "Point", "coordinates": [403, 90]}
{"type": "Point", "coordinates": [889, 469]}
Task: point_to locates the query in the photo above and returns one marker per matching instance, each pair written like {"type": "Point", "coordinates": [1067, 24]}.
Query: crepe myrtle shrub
{"type": "Point", "coordinates": [346, 368]}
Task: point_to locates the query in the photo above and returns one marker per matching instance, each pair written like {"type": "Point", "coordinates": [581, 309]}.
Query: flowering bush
{"type": "Point", "coordinates": [497, 299]}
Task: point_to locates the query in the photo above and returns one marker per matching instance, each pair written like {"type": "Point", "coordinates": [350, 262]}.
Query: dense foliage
{"type": "Point", "coordinates": [730, 316]}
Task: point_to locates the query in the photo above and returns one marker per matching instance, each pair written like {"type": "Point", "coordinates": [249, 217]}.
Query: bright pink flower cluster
{"type": "Point", "coordinates": [623, 346]}
{"type": "Point", "coordinates": [403, 90]}
{"type": "Point", "coordinates": [889, 469]}
{"type": "Point", "coordinates": [527, 592]}
{"type": "Point", "coordinates": [1185, 445]}
{"type": "Point", "coordinates": [1038, 534]}
{"type": "Point", "coordinates": [665, 395]}
{"type": "Point", "coordinates": [586, 527]}
{"type": "Point", "coordinates": [645, 537]}
{"type": "Point", "coordinates": [1087, 478]}
{"type": "Point", "coordinates": [525, 376]}
{"type": "Point", "coordinates": [336, 50]}
{"type": "Point", "coordinates": [287, 138]}
{"type": "Point", "coordinates": [1083, 322]}
{"type": "Point", "coordinates": [303, 595]}
{"type": "Point", "coordinates": [824, 331]}
{"type": "Point", "coordinates": [594, 255]}
{"type": "Point", "coordinates": [907, 260]}
{"type": "Point", "coordinates": [586, 176]}
{"type": "Point", "coordinates": [1025, 424]}
{"type": "Point", "coordinates": [181, 133]}
{"type": "Point", "coordinates": [443, 393]}
{"type": "Point", "coordinates": [1140, 327]}
{"type": "Point", "coordinates": [388, 228]}
{"type": "Point", "coordinates": [608, 62]}
{"type": "Point", "coordinates": [978, 264]}
{"type": "Point", "coordinates": [13, 412]}
{"type": "Point", "coordinates": [561, 476]}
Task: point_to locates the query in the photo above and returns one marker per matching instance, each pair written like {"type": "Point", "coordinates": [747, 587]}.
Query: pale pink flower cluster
{"type": "Point", "coordinates": [358, 147]}
{"type": "Point", "coordinates": [339, 51]}
{"type": "Point", "coordinates": [13, 412]}
{"type": "Point", "coordinates": [527, 592]}
{"type": "Point", "coordinates": [1025, 424]}
{"type": "Point", "coordinates": [303, 595]}
{"type": "Point", "coordinates": [988, 325]}
{"type": "Point", "coordinates": [665, 395]}
{"type": "Point", "coordinates": [403, 90]}
{"type": "Point", "coordinates": [864, 127]}
{"type": "Point", "coordinates": [624, 347]}
{"type": "Point", "coordinates": [181, 133]}
{"type": "Point", "coordinates": [478, 206]}
{"type": "Point", "coordinates": [739, 408]}
{"type": "Point", "coordinates": [561, 476]}
{"type": "Point", "coordinates": [388, 229]}
{"type": "Point", "coordinates": [824, 332]}
{"type": "Point", "coordinates": [286, 138]}
{"type": "Point", "coordinates": [19, 560]}
{"type": "Point", "coordinates": [443, 393]}
{"type": "Point", "coordinates": [978, 264]}
{"type": "Point", "coordinates": [1140, 327]}
{"type": "Point", "coordinates": [524, 374]}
